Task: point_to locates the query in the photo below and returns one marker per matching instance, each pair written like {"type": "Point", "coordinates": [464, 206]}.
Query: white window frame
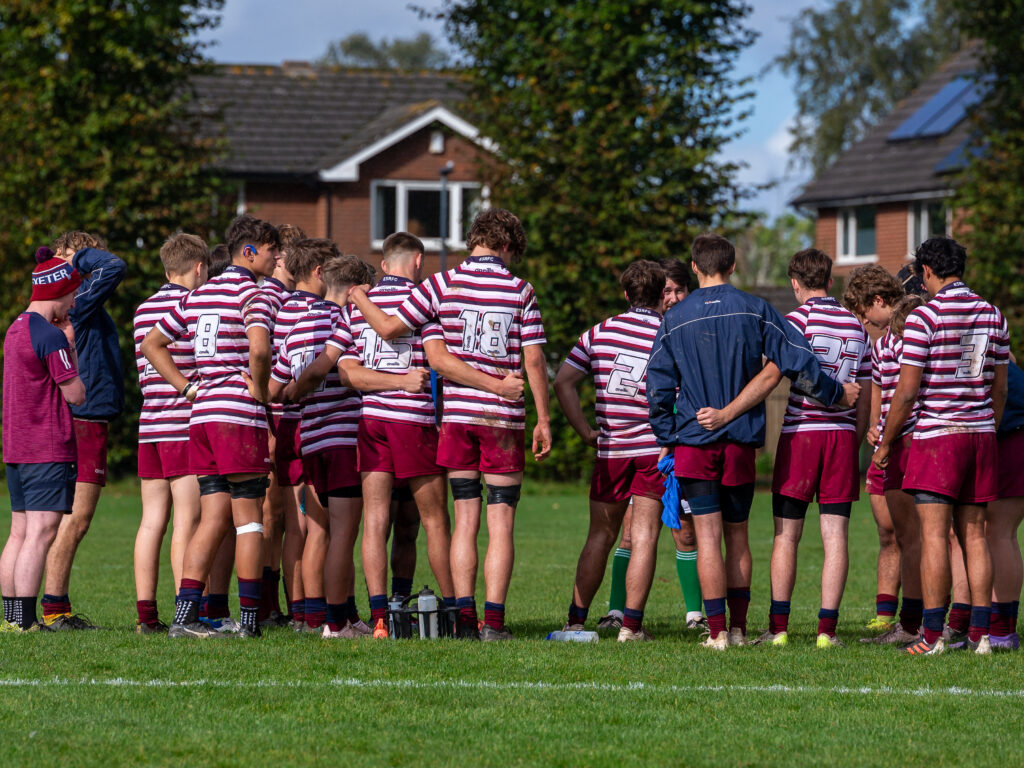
{"type": "Point", "coordinates": [912, 209]}
{"type": "Point", "coordinates": [402, 187]}
{"type": "Point", "coordinates": [847, 217]}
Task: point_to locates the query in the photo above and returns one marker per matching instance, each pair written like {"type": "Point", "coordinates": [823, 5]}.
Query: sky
{"type": "Point", "coordinates": [269, 32]}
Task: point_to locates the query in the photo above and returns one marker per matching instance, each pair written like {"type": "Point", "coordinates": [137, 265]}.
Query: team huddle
{"type": "Point", "coordinates": [288, 405]}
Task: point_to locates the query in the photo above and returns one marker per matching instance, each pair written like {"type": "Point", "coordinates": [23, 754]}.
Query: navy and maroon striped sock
{"type": "Point", "coordinates": [316, 612]}
{"type": "Point", "coordinates": [494, 615]}
{"type": "Point", "coordinates": [248, 601]}
{"type": "Point", "coordinates": [828, 619]}
{"type": "Point", "coordinates": [378, 608]}
{"type": "Point", "coordinates": [910, 614]}
{"type": "Point", "coordinates": [979, 626]}
{"type": "Point", "coordinates": [885, 605]}
{"type": "Point", "coordinates": [577, 615]}
{"type": "Point", "coordinates": [932, 620]}
{"type": "Point", "coordinates": [467, 610]}
{"type": "Point", "coordinates": [714, 609]}
{"type": "Point", "coordinates": [632, 620]}
{"type": "Point", "coordinates": [353, 611]}
{"type": "Point", "coordinates": [217, 604]}
{"type": "Point", "coordinates": [778, 616]}
{"type": "Point", "coordinates": [336, 616]}
{"type": "Point", "coordinates": [959, 617]}
{"type": "Point", "coordinates": [739, 601]}
{"type": "Point", "coordinates": [55, 605]}
{"type": "Point", "coordinates": [147, 612]}
{"type": "Point", "coordinates": [297, 608]}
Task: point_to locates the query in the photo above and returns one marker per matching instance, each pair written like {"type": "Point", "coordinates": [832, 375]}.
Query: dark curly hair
{"type": "Point", "coordinates": [499, 230]}
{"type": "Point", "coordinates": [943, 255]}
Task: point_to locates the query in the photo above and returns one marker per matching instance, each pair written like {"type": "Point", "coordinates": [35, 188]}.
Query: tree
{"type": "Point", "coordinates": [97, 135]}
{"type": "Point", "coordinates": [608, 120]}
{"type": "Point", "coordinates": [852, 61]}
{"type": "Point", "coordinates": [358, 50]}
{"type": "Point", "coordinates": [763, 250]}
{"type": "Point", "coordinates": [990, 190]}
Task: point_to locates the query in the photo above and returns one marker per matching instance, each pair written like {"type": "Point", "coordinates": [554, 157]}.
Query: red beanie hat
{"type": "Point", "coordinates": [53, 277]}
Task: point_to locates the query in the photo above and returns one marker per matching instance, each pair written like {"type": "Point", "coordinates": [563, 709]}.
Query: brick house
{"type": "Point", "coordinates": [351, 155]}
{"type": "Point", "coordinates": [889, 192]}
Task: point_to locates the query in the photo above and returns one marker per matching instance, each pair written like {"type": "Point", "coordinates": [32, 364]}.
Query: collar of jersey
{"type": "Point", "coordinates": [822, 300]}
{"type": "Point", "coordinates": [954, 286]}
{"type": "Point", "coordinates": [645, 311]}
{"type": "Point", "coordinates": [307, 294]}
{"type": "Point", "coordinates": [486, 260]}
{"type": "Point", "coordinates": [321, 302]}
{"type": "Point", "coordinates": [234, 268]}
{"type": "Point", "coordinates": [394, 280]}
{"type": "Point", "coordinates": [168, 286]}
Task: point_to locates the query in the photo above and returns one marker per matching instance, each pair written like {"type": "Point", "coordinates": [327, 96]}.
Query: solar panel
{"type": "Point", "coordinates": [943, 111]}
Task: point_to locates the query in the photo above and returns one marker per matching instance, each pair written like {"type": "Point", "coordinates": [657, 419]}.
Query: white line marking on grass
{"type": "Point", "coordinates": [493, 685]}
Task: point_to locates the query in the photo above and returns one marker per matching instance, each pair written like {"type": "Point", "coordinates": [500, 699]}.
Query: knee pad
{"type": "Point", "coordinates": [789, 508]}
{"type": "Point", "coordinates": [842, 509]}
{"type": "Point", "coordinates": [464, 489]}
{"type": "Point", "coordinates": [504, 494]}
{"type": "Point", "coordinates": [210, 484]}
{"type": "Point", "coordinates": [254, 488]}
{"type": "Point", "coordinates": [701, 495]}
{"type": "Point", "coordinates": [346, 492]}
{"type": "Point", "coordinates": [249, 528]}
{"type": "Point", "coordinates": [927, 497]}
{"type": "Point", "coordinates": [736, 501]}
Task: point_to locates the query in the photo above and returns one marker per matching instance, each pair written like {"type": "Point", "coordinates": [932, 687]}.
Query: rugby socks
{"type": "Point", "coordinates": [186, 606]}
{"type": "Point", "coordinates": [910, 614]}
{"type": "Point", "coordinates": [297, 608]}
{"type": "Point", "coordinates": [577, 615]}
{"type": "Point", "coordinates": [494, 615]}
{"type": "Point", "coordinates": [714, 609]}
{"type": "Point", "coordinates": [24, 611]}
{"type": "Point", "coordinates": [336, 616]}
{"type": "Point", "coordinates": [959, 617]}
{"type": "Point", "coordinates": [147, 612]}
{"type": "Point", "coordinates": [1003, 621]}
{"type": "Point", "coordinates": [316, 612]}
{"type": "Point", "coordinates": [632, 620]}
{"type": "Point", "coordinates": [979, 626]}
{"type": "Point", "coordinates": [248, 601]}
{"type": "Point", "coordinates": [204, 607]}
{"type": "Point", "coordinates": [275, 590]}
{"type": "Point", "coordinates": [449, 602]}
{"type": "Point", "coordinates": [268, 593]}
{"type": "Point", "coordinates": [400, 586]}
{"type": "Point", "coordinates": [353, 612]}
{"type": "Point", "coordinates": [932, 620]}
{"type": "Point", "coordinates": [828, 619]}
{"type": "Point", "coordinates": [739, 602]}
{"type": "Point", "coordinates": [620, 564]}
{"type": "Point", "coordinates": [778, 616]}
{"type": "Point", "coordinates": [885, 606]}
{"type": "Point", "coordinates": [9, 609]}
{"type": "Point", "coordinates": [378, 608]}
{"type": "Point", "coordinates": [467, 610]}
{"type": "Point", "coordinates": [55, 606]}
{"type": "Point", "coordinates": [217, 605]}
{"type": "Point", "coordinates": [686, 570]}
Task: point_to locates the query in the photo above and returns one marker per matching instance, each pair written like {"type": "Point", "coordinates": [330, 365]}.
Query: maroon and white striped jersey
{"type": "Point", "coordinates": [330, 414]}
{"type": "Point", "coordinates": [165, 413]}
{"type": "Point", "coordinates": [278, 294]}
{"type": "Point", "coordinates": [487, 315]}
{"type": "Point", "coordinates": [294, 308]}
{"type": "Point", "coordinates": [959, 339]}
{"type": "Point", "coordinates": [398, 356]}
{"type": "Point", "coordinates": [841, 345]}
{"type": "Point", "coordinates": [215, 317]}
{"type": "Point", "coordinates": [886, 358]}
{"type": "Point", "coordinates": [616, 352]}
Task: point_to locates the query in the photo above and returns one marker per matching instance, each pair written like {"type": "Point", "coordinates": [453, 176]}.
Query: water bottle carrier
{"type": "Point", "coordinates": [405, 617]}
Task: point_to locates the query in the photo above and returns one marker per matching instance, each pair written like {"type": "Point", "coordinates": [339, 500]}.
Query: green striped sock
{"type": "Point", "coordinates": [620, 563]}
{"type": "Point", "coordinates": [686, 570]}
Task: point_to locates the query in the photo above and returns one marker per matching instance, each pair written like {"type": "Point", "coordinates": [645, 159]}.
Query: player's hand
{"type": "Point", "coordinates": [880, 458]}
{"type": "Point", "coordinates": [288, 394]}
{"type": "Point", "coordinates": [541, 441]}
{"type": "Point", "coordinates": [851, 391]}
{"type": "Point", "coordinates": [873, 435]}
{"type": "Point", "coordinates": [711, 419]}
{"type": "Point", "coordinates": [511, 387]}
{"type": "Point", "coordinates": [66, 328]}
{"type": "Point", "coordinates": [591, 437]}
{"type": "Point", "coordinates": [416, 380]}
{"type": "Point", "coordinates": [260, 397]}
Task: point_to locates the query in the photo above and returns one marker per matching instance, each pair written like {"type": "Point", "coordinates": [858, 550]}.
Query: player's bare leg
{"type": "Point", "coordinates": [835, 536]}
{"type": "Point", "coordinates": [291, 552]}
{"type": "Point", "coordinates": [686, 571]}
{"type": "Point", "coordinates": [247, 516]}
{"type": "Point", "coordinates": [646, 526]}
{"type": "Point", "coordinates": [376, 519]}
{"type": "Point", "coordinates": [500, 557]}
{"type": "Point", "coordinates": [431, 500]}
{"type": "Point", "coordinates": [969, 524]}
{"type": "Point", "coordinates": [156, 513]}
{"type": "Point", "coordinates": [15, 540]}
{"type": "Point", "coordinates": [711, 568]}
{"type": "Point", "coordinates": [40, 531]}
{"type": "Point", "coordinates": [405, 530]}
{"type": "Point", "coordinates": [464, 558]}
{"type": "Point", "coordinates": [1001, 523]}
{"type": "Point", "coordinates": [605, 521]}
{"type": "Point", "coordinates": [344, 515]}
{"type": "Point", "coordinates": [889, 559]}
{"type": "Point", "coordinates": [936, 577]}
{"type": "Point", "coordinates": [907, 529]}
{"type": "Point", "coordinates": [273, 534]}
{"type": "Point", "coordinates": [61, 554]}
{"type": "Point", "coordinates": [185, 520]}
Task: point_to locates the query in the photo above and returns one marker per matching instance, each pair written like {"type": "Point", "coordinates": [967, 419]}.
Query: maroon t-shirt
{"type": "Point", "coordinates": [37, 419]}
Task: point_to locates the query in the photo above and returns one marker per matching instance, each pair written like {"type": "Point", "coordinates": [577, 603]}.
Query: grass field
{"type": "Point", "coordinates": [116, 698]}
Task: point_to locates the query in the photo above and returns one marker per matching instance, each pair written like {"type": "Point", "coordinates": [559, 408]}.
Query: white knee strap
{"type": "Point", "coordinates": [250, 528]}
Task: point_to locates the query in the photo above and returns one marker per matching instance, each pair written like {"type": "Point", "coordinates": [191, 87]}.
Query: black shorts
{"type": "Point", "coordinates": [48, 487]}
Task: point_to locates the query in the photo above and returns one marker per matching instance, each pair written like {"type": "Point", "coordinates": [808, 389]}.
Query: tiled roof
{"type": "Point", "coordinates": [877, 169]}
{"type": "Point", "coordinates": [296, 119]}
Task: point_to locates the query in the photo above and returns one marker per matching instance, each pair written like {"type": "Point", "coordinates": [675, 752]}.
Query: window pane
{"type": "Point", "coordinates": [865, 230]}
{"type": "Point", "coordinates": [848, 233]}
{"type": "Point", "coordinates": [472, 202]}
{"type": "Point", "coordinates": [423, 212]}
{"type": "Point", "coordinates": [936, 219]}
{"type": "Point", "coordinates": [384, 212]}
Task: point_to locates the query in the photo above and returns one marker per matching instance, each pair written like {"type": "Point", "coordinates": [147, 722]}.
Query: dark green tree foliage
{"type": "Point", "coordinates": [763, 250]}
{"type": "Point", "coordinates": [608, 119]}
{"type": "Point", "coordinates": [852, 61]}
{"type": "Point", "coordinates": [990, 191]}
{"type": "Point", "coordinates": [96, 135]}
{"type": "Point", "coordinates": [358, 50]}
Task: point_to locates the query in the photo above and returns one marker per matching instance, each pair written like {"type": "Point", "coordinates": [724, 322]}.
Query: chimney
{"type": "Point", "coordinates": [298, 69]}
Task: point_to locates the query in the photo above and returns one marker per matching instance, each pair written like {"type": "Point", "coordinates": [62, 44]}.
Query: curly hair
{"type": "Point", "coordinates": [499, 230]}
{"type": "Point", "coordinates": [943, 255]}
{"type": "Point", "coordinates": [866, 283]}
